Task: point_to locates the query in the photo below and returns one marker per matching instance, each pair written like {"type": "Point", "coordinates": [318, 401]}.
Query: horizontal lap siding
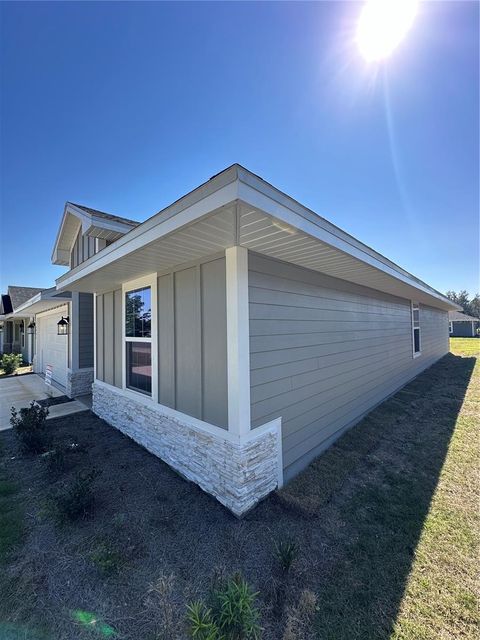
{"type": "Point", "coordinates": [323, 352]}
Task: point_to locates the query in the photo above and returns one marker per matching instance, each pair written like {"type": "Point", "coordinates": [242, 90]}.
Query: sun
{"type": "Point", "coordinates": [382, 26]}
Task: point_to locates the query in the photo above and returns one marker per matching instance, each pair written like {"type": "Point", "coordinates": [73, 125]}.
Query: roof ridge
{"type": "Point", "coordinates": [110, 216]}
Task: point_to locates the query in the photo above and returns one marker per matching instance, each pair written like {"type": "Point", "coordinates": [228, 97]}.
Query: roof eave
{"type": "Point", "coordinates": [237, 184]}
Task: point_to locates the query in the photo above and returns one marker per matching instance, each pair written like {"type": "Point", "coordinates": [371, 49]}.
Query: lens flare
{"type": "Point", "coordinates": [382, 25]}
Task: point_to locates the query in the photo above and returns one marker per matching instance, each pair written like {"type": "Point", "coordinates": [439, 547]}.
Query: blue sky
{"type": "Point", "coordinates": [127, 106]}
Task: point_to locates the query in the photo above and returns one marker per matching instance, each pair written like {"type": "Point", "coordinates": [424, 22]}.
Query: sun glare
{"type": "Point", "coordinates": [382, 26]}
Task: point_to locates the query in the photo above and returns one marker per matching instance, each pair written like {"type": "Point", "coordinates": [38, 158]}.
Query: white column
{"type": "Point", "coordinates": [238, 341]}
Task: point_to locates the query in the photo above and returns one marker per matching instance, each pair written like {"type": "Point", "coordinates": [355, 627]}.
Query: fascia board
{"type": "Point", "coordinates": [157, 227]}
{"type": "Point", "coordinates": [254, 195]}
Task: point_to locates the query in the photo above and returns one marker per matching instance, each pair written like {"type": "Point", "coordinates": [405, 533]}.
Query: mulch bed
{"type": "Point", "coordinates": [51, 402]}
{"type": "Point", "coordinates": [174, 541]}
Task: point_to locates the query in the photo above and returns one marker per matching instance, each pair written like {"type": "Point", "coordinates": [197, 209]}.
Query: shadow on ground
{"type": "Point", "coordinates": [375, 487]}
{"type": "Point", "coordinates": [356, 515]}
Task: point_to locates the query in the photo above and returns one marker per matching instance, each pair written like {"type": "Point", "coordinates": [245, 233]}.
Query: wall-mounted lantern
{"type": "Point", "coordinates": [62, 326]}
{"type": "Point", "coordinates": [31, 328]}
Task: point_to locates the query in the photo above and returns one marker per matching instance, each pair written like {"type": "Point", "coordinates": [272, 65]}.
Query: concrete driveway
{"type": "Point", "coordinates": [18, 392]}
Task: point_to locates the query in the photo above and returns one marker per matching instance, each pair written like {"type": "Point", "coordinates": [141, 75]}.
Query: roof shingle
{"type": "Point", "coordinates": [107, 216]}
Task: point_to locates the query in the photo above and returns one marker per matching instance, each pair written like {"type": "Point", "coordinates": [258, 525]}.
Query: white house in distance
{"type": "Point", "coordinates": [238, 333]}
{"type": "Point", "coordinates": [63, 320]}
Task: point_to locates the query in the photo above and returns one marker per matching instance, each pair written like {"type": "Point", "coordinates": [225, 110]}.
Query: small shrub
{"type": "Point", "coordinates": [75, 500]}
{"type": "Point", "coordinates": [10, 362]}
{"type": "Point", "coordinates": [232, 616]}
{"type": "Point", "coordinates": [286, 552]}
{"type": "Point", "coordinates": [106, 558]}
{"type": "Point", "coordinates": [237, 614]}
{"type": "Point", "coordinates": [201, 623]}
{"type": "Point", "coordinates": [29, 425]}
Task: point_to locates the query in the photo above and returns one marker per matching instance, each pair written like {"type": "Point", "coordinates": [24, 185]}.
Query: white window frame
{"type": "Point", "coordinates": [450, 327]}
{"type": "Point", "coordinates": [416, 306]}
{"type": "Point", "coordinates": [142, 283]}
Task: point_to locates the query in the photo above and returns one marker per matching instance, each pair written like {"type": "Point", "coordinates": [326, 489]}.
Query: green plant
{"type": "Point", "coordinates": [10, 362]}
{"type": "Point", "coordinates": [106, 557]}
{"type": "Point", "coordinates": [75, 500]}
{"type": "Point", "coordinates": [232, 616]}
{"type": "Point", "coordinates": [286, 552]}
{"type": "Point", "coordinates": [237, 614]}
{"type": "Point", "coordinates": [29, 425]}
{"type": "Point", "coordinates": [202, 624]}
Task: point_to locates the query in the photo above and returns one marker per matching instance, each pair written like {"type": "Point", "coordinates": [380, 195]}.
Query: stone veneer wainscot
{"type": "Point", "coordinates": [238, 473]}
{"type": "Point", "coordinates": [79, 382]}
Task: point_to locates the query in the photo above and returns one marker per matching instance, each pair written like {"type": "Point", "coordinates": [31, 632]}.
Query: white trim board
{"type": "Point", "coordinates": [233, 185]}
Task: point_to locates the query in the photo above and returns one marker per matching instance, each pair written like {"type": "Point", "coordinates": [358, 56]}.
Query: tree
{"type": "Point", "coordinates": [470, 307]}
{"type": "Point", "coordinates": [475, 306]}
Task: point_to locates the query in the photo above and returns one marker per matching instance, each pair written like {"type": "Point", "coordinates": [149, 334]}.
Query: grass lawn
{"type": "Point", "coordinates": [385, 525]}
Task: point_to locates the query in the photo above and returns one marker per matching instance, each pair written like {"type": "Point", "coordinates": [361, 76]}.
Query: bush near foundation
{"type": "Point", "coordinates": [29, 425]}
{"type": "Point", "coordinates": [10, 362]}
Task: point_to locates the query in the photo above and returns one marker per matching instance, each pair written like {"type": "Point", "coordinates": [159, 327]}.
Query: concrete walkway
{"type": "Point", "coordinates": [19, 391]}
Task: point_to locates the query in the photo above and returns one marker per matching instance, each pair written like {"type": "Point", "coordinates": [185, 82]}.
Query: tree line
{"type": "Point", "coordinates": [470, 307]}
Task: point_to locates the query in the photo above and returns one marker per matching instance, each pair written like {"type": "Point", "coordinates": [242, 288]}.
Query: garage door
{"type": "Point", "coordinates": [52, 349]}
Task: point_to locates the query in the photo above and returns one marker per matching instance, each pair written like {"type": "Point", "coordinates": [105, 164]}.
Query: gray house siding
{"type": "Point", "coordinates": [192, 340]}
{"type": "Point", "coordinates": [464, 329]}
{"type": "Point", "coordinates": [323, 352]}
{"type": "Point", "coordinates": [109, 338]}
{"type": "Point", "coordinates": [85, 247]}
{"type": "Point", "coordinates": [85, 330]}
{"type": "Point", "coordinates": [192, 344]}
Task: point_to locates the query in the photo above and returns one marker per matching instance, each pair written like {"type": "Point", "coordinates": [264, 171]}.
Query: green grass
{"type": "Point", "coordinates": [407, 568]}
{"type": "Point", "coordinates": [465, 346]}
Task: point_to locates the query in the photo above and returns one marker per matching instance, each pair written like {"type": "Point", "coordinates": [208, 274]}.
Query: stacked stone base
{"type": "Point", "coordinates": [237, 473]}
{"type": "Point", "coordinates": [79, 382]}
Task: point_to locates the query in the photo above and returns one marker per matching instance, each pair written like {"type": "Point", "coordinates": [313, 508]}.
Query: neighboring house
{"type": "Point", "coordinates": [238, 334]}
{"type": "Point", "coordinates": [64, 320]}
{"type": "Point", "coordinates": [462, 326]}
{"type": "Point", "coordinates": [15, 337]}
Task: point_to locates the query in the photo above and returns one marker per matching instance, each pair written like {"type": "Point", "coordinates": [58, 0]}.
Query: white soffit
{"type": "Point", "coordinates": [237, 207]}
{"type": "Point", "coordinates": [208, 236]}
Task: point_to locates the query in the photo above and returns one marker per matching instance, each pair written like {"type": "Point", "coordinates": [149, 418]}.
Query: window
{"type": "Point", "coordinates": [138, 340]}
{"type": "Point", "coordinates": [450, 327]}
{"type": "Point", "coordinates": [416, 329]}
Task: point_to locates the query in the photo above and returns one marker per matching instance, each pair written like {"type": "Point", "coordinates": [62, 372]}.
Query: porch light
{"type": "Point", "coordinates": [62, 326]}
{"type": "Point", "coordinates": [31, 328]}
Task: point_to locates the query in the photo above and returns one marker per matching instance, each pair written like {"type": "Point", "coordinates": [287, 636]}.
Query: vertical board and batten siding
{"type": "Point", "coordinates": [85, 247]}
{"type": "Point", "coordinates": [324, 351]}
{"type": "Point", "coordinates": [109, 338]}
{"type": "Point", "coordinates": [192, 340]}
{"type": "Point", "coordinates": [85, 330]}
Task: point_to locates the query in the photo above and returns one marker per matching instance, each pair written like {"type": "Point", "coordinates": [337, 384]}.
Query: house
{"type": "Point", "coordinates": [63, 321]}
{"type": "Point", "coordinates": [238, 334]}
{"type": "Point", "coordinates": [14, 334]}
{"type": "Point", "coordinates": [462, 326]}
